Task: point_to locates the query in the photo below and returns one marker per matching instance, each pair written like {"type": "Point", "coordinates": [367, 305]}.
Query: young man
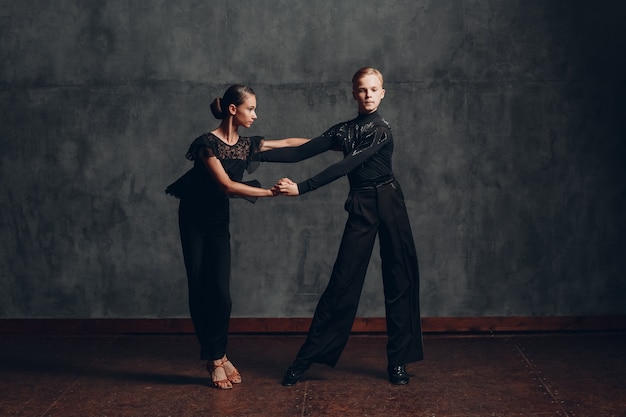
{"type": "Point", "coordinates": [375, 207]}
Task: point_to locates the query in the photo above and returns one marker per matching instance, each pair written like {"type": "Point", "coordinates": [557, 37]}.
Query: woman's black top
{"type": "Point", "coordinates": [367, 146]}
{"type": "Point", "coordinates": [197, 186]}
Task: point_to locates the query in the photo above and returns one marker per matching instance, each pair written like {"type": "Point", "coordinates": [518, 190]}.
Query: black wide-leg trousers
{"type": "Point", "coordinates": [374, 211]}
{"type": "Point", "coordinates": [207, 256]}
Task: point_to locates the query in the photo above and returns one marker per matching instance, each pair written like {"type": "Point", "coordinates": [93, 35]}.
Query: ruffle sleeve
{"type": "Point", "coordinates": [201, 146]}
{"type": "Point", "coordinates": [255, 147]}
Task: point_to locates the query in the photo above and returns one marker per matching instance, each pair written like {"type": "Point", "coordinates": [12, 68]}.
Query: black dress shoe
{"type": "Point", "coordinates": [398, 375]}
{"type": "Point", "coordinates": [294, 373]}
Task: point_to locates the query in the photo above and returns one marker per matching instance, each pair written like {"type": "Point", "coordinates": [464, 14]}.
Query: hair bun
{"type": "Point", "coordinates": [216, 108]}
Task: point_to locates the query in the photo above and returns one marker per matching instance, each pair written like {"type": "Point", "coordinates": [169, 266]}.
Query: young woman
{"type": "Point", "coordinates": [375, 207]}
{"type": "Point", "coordinates": [220, 158]}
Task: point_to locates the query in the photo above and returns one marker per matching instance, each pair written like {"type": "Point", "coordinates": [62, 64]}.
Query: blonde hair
{"type": "Point", "coordinates": [362, 72]}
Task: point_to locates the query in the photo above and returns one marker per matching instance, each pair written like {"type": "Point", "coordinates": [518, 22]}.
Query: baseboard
{"type": "Point", "coordinates": [301, 325]}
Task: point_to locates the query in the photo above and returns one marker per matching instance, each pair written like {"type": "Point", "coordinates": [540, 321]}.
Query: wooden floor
{"type": "Point", "coordinates": [160, 375]}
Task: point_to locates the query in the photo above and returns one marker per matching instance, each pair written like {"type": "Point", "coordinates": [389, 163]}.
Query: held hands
{"type": "Point", "coordinates": [285, 186]}
{"type": "Point", "coordinates": [275, 191]}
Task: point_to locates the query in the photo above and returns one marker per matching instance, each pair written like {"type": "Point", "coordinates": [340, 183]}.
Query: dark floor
{"type": "Point", "coordinates": [527, 375]}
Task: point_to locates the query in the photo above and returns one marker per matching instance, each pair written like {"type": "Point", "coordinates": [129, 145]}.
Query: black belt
{"type": "Point", "coordinates": [376, 184]}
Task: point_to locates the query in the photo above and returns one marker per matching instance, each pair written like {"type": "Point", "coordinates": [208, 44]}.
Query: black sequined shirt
{"type": "Point", "coordinates": [367, 145]}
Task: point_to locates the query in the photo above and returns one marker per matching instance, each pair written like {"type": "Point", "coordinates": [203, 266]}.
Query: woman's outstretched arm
{"type": "Point", "coordinates": [282, 143]}
{"type": "Point", "coordinates": [230, 187]}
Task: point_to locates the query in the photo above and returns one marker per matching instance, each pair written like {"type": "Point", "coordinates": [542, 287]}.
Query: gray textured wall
{"type": "Point", "coordinates": [508, 117]}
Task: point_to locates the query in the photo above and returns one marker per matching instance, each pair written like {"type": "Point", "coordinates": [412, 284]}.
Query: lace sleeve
{"type": "Point", "coordinates": [256, 142]}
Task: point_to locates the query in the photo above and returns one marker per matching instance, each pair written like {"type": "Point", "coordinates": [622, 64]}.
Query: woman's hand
{"type": "Point", "coordinates": [275, 190]}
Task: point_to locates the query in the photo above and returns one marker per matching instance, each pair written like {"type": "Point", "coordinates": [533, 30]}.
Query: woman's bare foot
{"type": "Point", "coordinates": [232, 373]}
{"type": "Point", "coordinates": [218, 374]}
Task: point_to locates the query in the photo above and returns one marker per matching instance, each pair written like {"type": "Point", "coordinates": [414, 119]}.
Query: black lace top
{"type": "Point", "coordinates": [198, 184]}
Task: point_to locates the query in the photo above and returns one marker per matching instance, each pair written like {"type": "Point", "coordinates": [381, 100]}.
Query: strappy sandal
{"type": "Point", "coordinates": [235, 377]}
{"type": "Point", "coordinates": [220, 383]}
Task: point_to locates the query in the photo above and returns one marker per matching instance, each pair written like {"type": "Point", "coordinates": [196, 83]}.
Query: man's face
{"type": "Point", "coordinates": [368, 91]}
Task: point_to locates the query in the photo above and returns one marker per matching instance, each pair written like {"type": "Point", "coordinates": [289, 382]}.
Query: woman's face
{"type": "Point", "coordinates": [245, 113]}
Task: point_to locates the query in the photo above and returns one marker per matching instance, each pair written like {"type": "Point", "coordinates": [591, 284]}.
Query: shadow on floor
{"type": "Point", "coordinates": [153, 375]}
